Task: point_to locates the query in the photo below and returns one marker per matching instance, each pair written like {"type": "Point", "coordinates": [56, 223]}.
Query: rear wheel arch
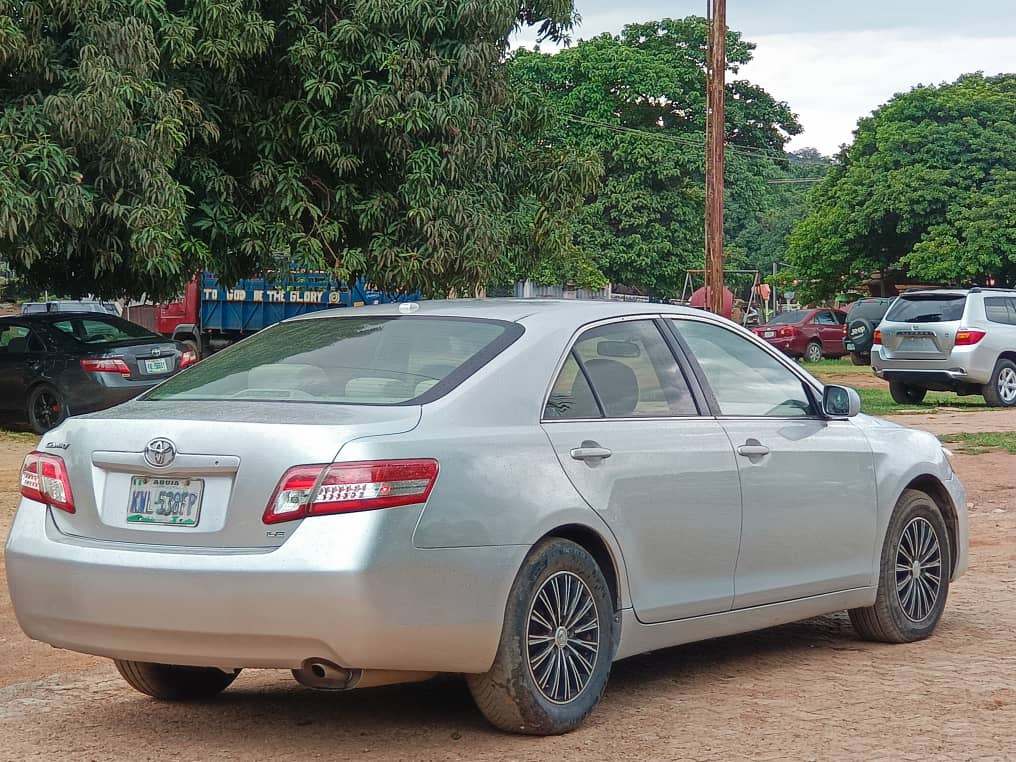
{"type": "Point", "coordinates": [594, 544]}
{"type": "Point", "coordinates": [933, 488]}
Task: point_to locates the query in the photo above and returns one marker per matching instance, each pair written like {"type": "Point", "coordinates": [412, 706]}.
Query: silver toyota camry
{"type": "Point", "coordinates": [520, 491]}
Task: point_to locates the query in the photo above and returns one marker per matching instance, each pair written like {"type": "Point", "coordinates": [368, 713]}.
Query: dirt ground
{"type": "Point", "coordinates": [810, 690]}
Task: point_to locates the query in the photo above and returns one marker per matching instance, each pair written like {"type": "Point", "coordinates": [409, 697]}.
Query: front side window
{"type": "Point", "coordinates": [354, 360]}
{"type": "Point", "coordinates": [629, 372]}
{"type": "Point", "coordinates": [825, 318]}
{"type": "Point", "coordinates": [745, 379]}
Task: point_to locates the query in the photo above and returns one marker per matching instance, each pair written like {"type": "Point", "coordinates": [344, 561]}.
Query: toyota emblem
{"type": "Point", "coordinates": [156, 352]}
{"type": "Point", "coordinates": [160, 452]}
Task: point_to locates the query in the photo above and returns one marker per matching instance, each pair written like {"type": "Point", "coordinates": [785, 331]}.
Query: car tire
{"type": "Point", "coordinates": [906, 394]}
{"type": "Point", "coordinates": [1000, 391]}
{"type": "Point", "coordinates": [858, 359]}
{"type": "Point", "coordinates": [909, 603]}
{"type": "Point", "coordinates": [170, 682]}
{"type": "Point", "coordinates": [813, 352]}
{"type": "Point", "coordinates": [46, 408]}
{"type": "Point", "coordinates": [523, 692]}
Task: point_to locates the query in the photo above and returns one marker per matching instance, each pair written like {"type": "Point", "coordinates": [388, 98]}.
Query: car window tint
{"type": "Point", "coordinates": [933, 308]}
{"type": "Point", "coordinates": [571, 396]}
{"type": "Point", "coordinates": [354, 360]}
{"type": "Point", "coordinates": [14, 339]}
{"type": "Point", "coordinates": [841, 317]}
{"type": "Point", "coordinates": [1000, 309]}
{"type": "Point", "coordinates": [746, 380]}
{"type": "Point", "coordinates": [633, 371]}
{"type": "Point", "coordinates": [102, 330]}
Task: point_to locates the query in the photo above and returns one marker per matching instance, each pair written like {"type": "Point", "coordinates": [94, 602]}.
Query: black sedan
{"type": "Point", "coordinates": [58, 363]}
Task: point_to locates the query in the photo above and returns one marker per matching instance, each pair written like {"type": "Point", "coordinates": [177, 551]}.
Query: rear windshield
{"type": "Point", "coordinates": [927, 309]}
{"type": "Point", "coordinates": [101, 329]}
{"type": "Point", "coordinates": [355, 360]}
{"type": "Point", "coordinates": [790, 317]}
{"type": "Point", "coordinates": [871, 309]}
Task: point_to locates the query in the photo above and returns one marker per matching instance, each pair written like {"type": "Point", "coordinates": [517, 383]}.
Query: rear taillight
{"type": "Point", "coordinates": [105, 365]}
{"type": "Point", "coordinates": [788, 331]}
{"type": "Point", "coordinates": [44, 478]}
{"type": "Point", "coordinates": [331, 488]}
{"type": "Point", "coordinates": [188, 357]}
{"type": "Point", "coordinates": [965, 338]}
{"type": "Point", "coordinates": [876, 338]}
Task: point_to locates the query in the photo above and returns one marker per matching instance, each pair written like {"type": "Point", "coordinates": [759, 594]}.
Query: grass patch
{"type": "Point", "coordinates": [980, 443]}
{"type": "Point", "coordinates": [880, 402]}
{"type": "Point", "coordinates": [839, 367]}
{"type": "Point", "coordinates": [21, 437]}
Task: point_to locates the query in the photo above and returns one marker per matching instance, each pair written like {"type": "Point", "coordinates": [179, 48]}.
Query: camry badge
{"type": "Point", "coordinates": [160, 452]}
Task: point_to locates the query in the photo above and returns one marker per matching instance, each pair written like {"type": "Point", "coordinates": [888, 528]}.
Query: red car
{"type": "Point", "coordinates": [811, 334]}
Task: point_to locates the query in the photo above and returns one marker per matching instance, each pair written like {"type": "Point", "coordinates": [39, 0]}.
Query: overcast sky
{"type": "Point", "coordinates": [835, 62]}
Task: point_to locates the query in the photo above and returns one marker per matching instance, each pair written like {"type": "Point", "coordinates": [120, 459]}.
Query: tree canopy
{"type": "Point", "coordinates": [142, 139]}
{"type": "Point", "coordinates": [638, 101]}
{"type": "Point", "coordinates": [927, 192]}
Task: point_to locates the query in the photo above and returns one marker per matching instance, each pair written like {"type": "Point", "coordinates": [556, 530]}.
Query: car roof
{"type": "Point", "coordinates": [511, 310]}
{"type": "Point", "coordinates": [53, 317]}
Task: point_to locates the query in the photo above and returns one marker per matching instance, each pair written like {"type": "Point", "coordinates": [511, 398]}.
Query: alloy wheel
{"type": "Point", "coordinates": [563, 637]}
{"type": "Point", "coordinates": [48, 410]}
{"type": "Point", "coordinates": [1007, 385]}
{"type": "Point", "coordinates": [918, 570]}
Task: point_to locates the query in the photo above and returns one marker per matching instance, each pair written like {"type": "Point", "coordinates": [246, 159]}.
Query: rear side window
{"type": "Point", "coordinates": [16, 340]}
{"type": "Point", "coordinates": [102, 330]}
{"type": "Point", "coordinates": [1000, 309]}
{"type": "Point", "coordinates": [622, 370]}
{"type": "Point", "coordinates": [355, 360]}
{"type": "Point", "coordinates": [927, 309]}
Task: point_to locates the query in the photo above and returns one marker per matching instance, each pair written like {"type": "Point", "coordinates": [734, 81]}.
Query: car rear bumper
{"type": "Point", "coordinates": [348, 589]}
{"type": "Point", "coordinates": [965, 367]}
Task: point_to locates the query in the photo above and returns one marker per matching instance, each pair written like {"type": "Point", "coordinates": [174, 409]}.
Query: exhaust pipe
{"type": "Point", "coordinates": [323, 675]}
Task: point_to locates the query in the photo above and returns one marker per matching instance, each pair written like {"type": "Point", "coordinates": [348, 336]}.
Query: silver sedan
{"type": "Point", "coordinates": [520, 491]}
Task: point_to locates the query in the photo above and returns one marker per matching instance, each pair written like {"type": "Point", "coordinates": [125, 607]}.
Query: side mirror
{"type": "Point", "coordinates": [840, 402]}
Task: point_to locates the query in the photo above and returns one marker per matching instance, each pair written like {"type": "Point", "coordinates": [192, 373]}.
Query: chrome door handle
{"type": "Point", "coordinates": [752, 450]}
{"type": "Point", "coordinates": [590, 451]}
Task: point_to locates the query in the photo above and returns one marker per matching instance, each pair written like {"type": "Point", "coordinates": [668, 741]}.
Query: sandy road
{"type": "Point", "coordinates": [806, 691]}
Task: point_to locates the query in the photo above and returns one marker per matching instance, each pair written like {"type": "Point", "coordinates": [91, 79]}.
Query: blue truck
{"type": "Point", "coordinates": [211, 315]}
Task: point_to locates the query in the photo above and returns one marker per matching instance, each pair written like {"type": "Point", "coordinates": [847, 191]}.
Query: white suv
{"type": "Point", "coordinates": [955, 340]}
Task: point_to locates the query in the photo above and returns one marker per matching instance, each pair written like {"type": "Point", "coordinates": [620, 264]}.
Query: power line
{"type": "Point", "coordinates": [751, 152]}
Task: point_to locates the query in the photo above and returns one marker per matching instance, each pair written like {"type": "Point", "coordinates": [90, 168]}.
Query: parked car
{"type": "Point", "coordinates": [53, 364]}
{"type": "Point", "coordinates": [68, 305]}
{"type": "Point", "coordinates": [863, 318]}
{"type": "Point", "coordinates": [523, 491]}
{"type": "Point", "coordinates": [953, 340]}
{"type": "Point", "coordinates": [810, 334]}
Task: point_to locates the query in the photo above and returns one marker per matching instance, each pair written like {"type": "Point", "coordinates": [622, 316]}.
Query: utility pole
{"type": "Point", "coordinates": [716, 68]}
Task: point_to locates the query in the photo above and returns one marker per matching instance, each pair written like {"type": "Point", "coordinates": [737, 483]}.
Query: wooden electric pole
{"type": "Point", "coordinates": [716, 68]}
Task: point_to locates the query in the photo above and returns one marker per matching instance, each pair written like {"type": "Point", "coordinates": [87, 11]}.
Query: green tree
{"type": "Point", "coordinates": [142, 139]}
{"type": "Point", "coordinates": [927, 191]}
{"type": "Point", "coordinates": [638, 100]}
{"type": "Point", "coordinates": [757, 233]}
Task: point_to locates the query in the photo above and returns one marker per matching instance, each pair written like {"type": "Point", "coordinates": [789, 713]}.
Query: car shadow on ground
{"type": "Point", "coordinates": [266, 702]}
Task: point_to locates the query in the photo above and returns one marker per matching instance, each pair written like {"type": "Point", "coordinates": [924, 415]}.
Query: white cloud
{"type": "Point", "coordinates": [832, 79]}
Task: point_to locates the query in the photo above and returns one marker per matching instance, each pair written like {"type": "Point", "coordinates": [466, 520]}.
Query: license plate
{"type": "Point", "coordinates": [769, 334]}
{"type": "Point", "coordinates": [850, 346]}
{"type": "Point", "coordinates": [157, 366]}
{"type": "Point", "coordinates": [164, 501]}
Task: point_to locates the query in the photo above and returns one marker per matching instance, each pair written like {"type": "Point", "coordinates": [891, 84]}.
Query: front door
{"type": "Point", "coordinates": [627, 431]}
{"type": "Point", "coordinates": [807, 483]}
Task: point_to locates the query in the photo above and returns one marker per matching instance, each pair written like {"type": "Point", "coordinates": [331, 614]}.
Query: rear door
{"type": "Point", "coordinates": [807, 483]}
{"type": "Point", "coordinates": [627, 430]}
{"type": "Point", "coordinates": [21, 357]}
{"type": "Point", "coordinates": [922, 326]}
{"type": "Point", "coordinates": [830, 331]}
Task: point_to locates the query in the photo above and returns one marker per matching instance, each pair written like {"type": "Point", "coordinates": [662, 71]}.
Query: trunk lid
{"type": "Point", "coordinates": [922, 326]}
{"type": "Point", "coordinates": [156, 359]}
{"type": "Point", "coordinates": [227, 459]}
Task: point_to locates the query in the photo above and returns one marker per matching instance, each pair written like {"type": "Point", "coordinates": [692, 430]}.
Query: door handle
{"type": "Point", "coordinates": [753, 449]}
{"type": "Point", "coordinates": [589, 450]}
